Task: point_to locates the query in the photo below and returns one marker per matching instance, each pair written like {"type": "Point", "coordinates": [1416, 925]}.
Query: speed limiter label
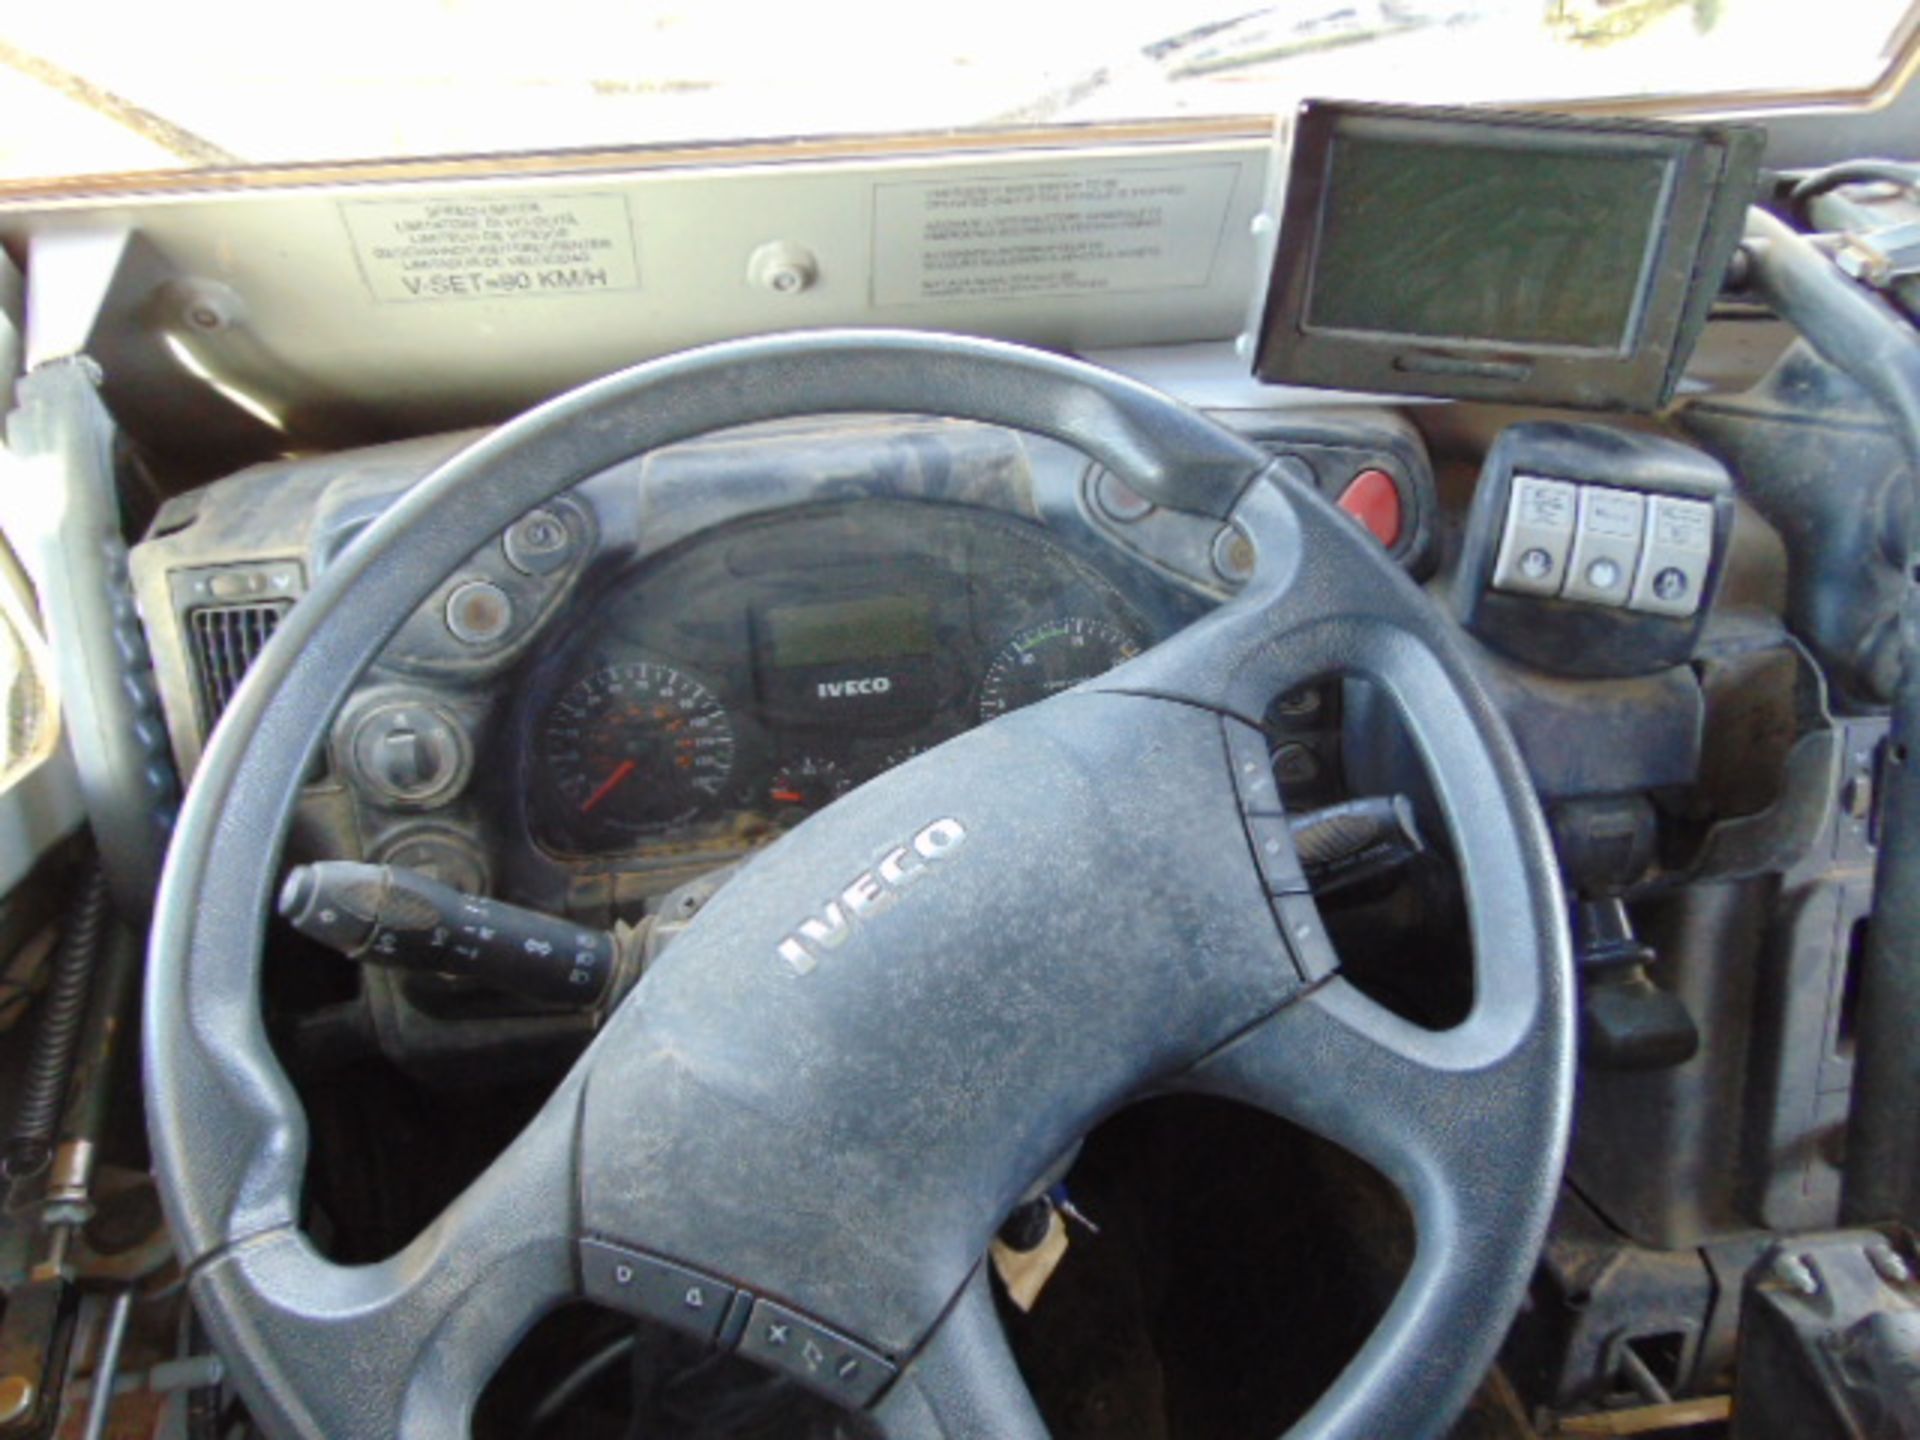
{"type": "Point", "coordinates": [493, 247]}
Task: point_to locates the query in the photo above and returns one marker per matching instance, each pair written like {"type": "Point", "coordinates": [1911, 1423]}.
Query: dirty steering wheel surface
{"type": "Point", "coordinates": [808, 1119]}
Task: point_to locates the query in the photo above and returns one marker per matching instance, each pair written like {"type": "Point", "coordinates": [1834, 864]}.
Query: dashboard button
{"type": "Point", "coordinates": [1606, 545]}
{"type": "Point", "coordinates": [1262, 809]}
{"type": "Point", "coordinates": [1234, 556]}
{"type": "Point", "coordinates": [1538, 536]}
{"type": "Point", "coordinates": [538, 543]}
{"type": "Point", "coordinates": [237, 584]}
{"type": "Point", "coordinates": [479, 612]}
{"type": "Point", "coordinates": [1119, 501]}
{"type": "Point", "coordinates": [1674, 561]}
{"type": "Point", "coordinates": [817, 1357]}
{"type": "Point", "coordinates": [1252, 768]}
{"type": "Point", "coordinates": [1297, 765]}
{"type": "Point", "coordinates": [1279, 859]}
{"type": "Point", "coordinates": [653, 1288]}
{"type": "Point", "coordinates": [1299, 709]}
{"type": "Point", "coordinates": [1373, 499]}
{"type": "Point", "coordinates": [1300, 922]}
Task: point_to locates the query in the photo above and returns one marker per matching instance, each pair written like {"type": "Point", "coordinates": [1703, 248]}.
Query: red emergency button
{"type": "Point", "coordinates": [1373, 499]}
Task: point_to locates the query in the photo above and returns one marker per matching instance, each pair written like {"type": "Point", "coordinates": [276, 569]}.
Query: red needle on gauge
{"type": "Point", "coordinates": [607, 786]}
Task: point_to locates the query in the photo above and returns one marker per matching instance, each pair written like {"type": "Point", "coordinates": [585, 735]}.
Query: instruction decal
{"type": "Point", "coordinates": [1092, 232]}
{"type": "Point", "coordinates": [493, 247]}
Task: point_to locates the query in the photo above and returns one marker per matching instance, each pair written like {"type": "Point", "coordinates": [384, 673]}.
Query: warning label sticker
{"type": "Point", "coordinates": [1090, 233]}
{"type": "Point", "coordinates": [492, 249]}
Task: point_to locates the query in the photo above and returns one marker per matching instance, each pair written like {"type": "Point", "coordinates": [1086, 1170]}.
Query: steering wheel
{"type": "Point", "coordinates": [800, 1131]}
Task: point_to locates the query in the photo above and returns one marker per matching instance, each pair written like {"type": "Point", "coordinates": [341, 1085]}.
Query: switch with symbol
{"type": "Point", "coordinates": [645, 1285]}
{"type": "Point", "coordinates": [1537, 536]}
{"type": "Point", "coordinates": [1677, 555]}
{"type": "Point", "coordinates": [818, 1357]}
{"type": "Point", "coordinates": [1606, 545]}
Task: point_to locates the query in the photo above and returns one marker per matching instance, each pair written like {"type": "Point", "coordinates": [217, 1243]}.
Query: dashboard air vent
{"type": "Point", "coordinates": [226, 640]}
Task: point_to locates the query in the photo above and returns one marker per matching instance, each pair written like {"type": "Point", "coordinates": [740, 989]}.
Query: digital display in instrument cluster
{"type": "Point", "coordinates": [745, 679]}
{"type": "Point", "coordinates": [868, 656]}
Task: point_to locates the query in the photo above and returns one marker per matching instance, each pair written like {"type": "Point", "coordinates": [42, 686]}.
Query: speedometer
{"type": "Point", "coordinates": [633, 749]}
{"type": "Point", "coordinates": [1052, 656]}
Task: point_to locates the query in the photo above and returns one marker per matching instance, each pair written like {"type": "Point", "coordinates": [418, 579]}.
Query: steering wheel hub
{"type": "Point", "coordinates": [869, 893]}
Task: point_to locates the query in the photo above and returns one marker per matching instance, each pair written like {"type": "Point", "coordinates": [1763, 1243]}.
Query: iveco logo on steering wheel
{"type": "Point", "coordinates": [868, 893]}
{"type": "Point", "coordinates": [843, 689]}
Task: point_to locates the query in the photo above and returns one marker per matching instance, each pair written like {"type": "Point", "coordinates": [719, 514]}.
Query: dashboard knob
{"type": "Point", "coordinates": [538, 543]}
{"type": "Point", "coordinates": [408, 754]}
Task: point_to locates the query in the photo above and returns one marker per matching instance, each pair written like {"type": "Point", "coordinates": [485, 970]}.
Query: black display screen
{"type": "Point", "coordinates": [878, 627]}
{"type": "Point", "coordinates": [1487, 244]}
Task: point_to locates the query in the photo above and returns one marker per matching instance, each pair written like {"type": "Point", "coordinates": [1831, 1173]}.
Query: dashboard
{"type": "Point", "coordinates": [647, 678]}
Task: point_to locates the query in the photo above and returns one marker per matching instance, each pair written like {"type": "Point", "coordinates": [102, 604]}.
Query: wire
{"type": "Point", "coordinates": [1893, 172]}
{"type": "Point", "coordinates": [108, 1366]}
{"type": "Point", "coordinates": [577, 1381]}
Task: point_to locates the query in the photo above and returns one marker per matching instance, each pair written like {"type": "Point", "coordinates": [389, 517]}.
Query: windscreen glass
{"type": "Point", "coordinates": [89, 86]}
{"type": "Point", "coordinates": [1537, 248]}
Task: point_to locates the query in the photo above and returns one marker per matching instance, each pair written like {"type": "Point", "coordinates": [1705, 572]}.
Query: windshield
{"type": "Point", "coordinates": [100, 86]}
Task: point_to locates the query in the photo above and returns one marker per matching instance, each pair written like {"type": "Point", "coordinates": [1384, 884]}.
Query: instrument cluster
{"type": "Point", "coordinates": [728, 688]}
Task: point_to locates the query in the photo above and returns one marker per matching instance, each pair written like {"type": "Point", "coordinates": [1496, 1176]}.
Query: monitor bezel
{"type": "Point", "coordinates": [1690, 245]}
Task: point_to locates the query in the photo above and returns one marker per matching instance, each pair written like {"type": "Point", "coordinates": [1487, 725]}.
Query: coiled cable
{"type": "Point", "coordinates": [43, 1089]}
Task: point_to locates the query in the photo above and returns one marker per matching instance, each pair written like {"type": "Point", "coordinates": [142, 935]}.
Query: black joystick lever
{"type": "Point", "coordinates": [385, 915]}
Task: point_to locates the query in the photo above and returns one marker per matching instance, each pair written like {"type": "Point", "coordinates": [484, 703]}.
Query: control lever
{"type": "Point", "coordinates": [1356, 840]}
{"type": "Point", "coordinates": [390, 916]}
{"type": "Point", "coordinates": [1626, 1021]}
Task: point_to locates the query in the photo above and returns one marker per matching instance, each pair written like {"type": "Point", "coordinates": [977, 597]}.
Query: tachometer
{"type": "Point", "coordinates": [635, 748]}
{"type": "Point", "coordinates": [1052, 656]}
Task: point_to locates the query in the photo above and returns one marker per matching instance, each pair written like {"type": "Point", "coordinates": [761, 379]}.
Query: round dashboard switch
{"type": "Point", "coordinates": [440, 855]}
{"type": "Point", "coordinates": [479, 612]}
{"type": "Point", "coordinates": [538, 543]}
{"type": "Point", "coordinates": [408, 754]}
{"type": "Point", "coordinates": [1233, 555]}
{"type": "Point", "coordinates": [1296, 764]}
{"type": "Point", "coordinates": [1119, 501]}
